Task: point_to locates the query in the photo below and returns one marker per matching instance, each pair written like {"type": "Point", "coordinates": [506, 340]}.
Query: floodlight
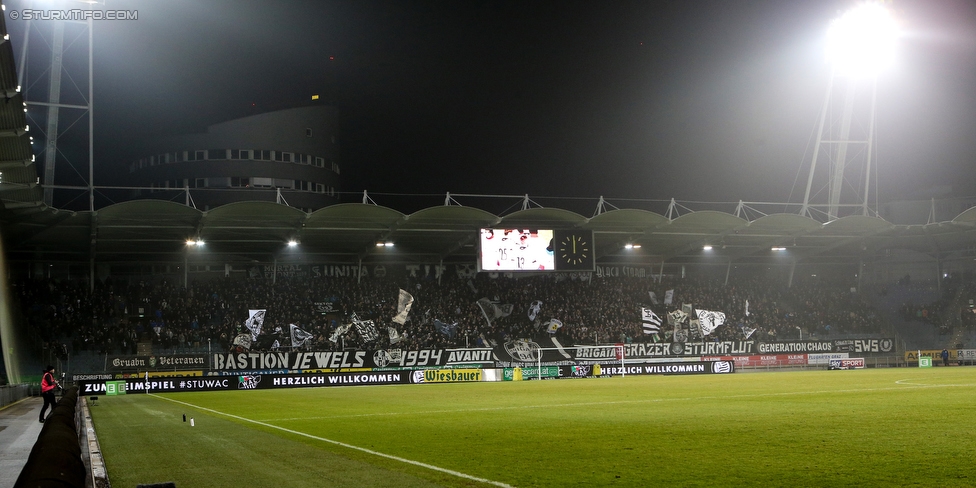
{"type": "Point", "coordinates": [862, 40]}
{"type": "Point", "coordinates": [292, 243]}
{"type": "Point", "coordinates": [706, 247]}
{"type": "Point", "coordinates": [777, 249]}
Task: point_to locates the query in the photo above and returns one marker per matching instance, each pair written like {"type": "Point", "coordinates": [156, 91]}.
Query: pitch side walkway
{"type": "Point", "coordinates": [18, 432]}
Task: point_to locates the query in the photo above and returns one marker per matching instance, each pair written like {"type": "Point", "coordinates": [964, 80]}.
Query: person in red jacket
{"type": "Point", "coordinates": [48, 384]}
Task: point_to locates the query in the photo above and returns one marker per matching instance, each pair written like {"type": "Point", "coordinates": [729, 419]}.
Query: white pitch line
{"type": "Point", "coordinates": [906, 386]}
{"type": "Point", "coordinates": [907, 381]}
{"type": "Point", "coordinates": [343, 444]}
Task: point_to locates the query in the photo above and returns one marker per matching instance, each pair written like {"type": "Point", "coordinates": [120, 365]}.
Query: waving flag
{"type": "Point", "coordinates": [492, 310]}
{"type": "Point", "coordinates": [254, 322]}
{"type": "Point", "coordinates": [747, 331]}
{"type": "Point", "coordinates": [404, 302]}
{"type": "Point", "coordinates": [242, 340]}
{"type": "Point", "coordinates": [553, 326]}
{"type": "Point", "coordinates": [395, 336]}
{"type": "Point", "coordinates": [677, 317]}
{"type": "Point", "coordinates": [298, 336]}
{"type": "Point", "coordinates": [337, 333]}
{"type": "Point", "coordinates": [709, 321]}
{"type": "Point", "coordinates": [446, 329]}
{"type": "Point", "coordinates": [650, 320]}
{"type": "Point", "coordinates": [366, 329]}
{"type": "Point", "coordinates": [534, 308]}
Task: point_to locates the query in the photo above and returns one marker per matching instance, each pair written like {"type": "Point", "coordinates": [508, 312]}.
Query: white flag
{"type": "Point", "coordinates": [553, 326]}
{"type": "Point", "coordinates": [669, 297]}
{"type": "Point", "coordinates": [747, 308]}
{"type": "Point", "coordinates": [651, 322]}
{"type": "Point", "coordinates": [367, 330]}
{"type": "Point", "coordinates": [242, 340]}
{"type": "Point", "coordinates": [404, 302]}
{"type": "Point", "coordinates": [395, 336]}
{"type": "Point", "coordinates": [337, 333]}
{"type": "Point", "coordinates": [709, 321]}
{"type": "Point", "coordinates": [677, 317]}
{"type": "Point", "coordinates": [254, 322]}
{"type": "Point", "coordinates": [534, 308]}
{"type": "Point", "coordinates": [298, 336]}
{"type": "Point", "coordinates": [653, 297]}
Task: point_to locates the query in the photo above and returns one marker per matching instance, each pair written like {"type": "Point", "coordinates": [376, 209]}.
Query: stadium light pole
{"type": "Point", "coordinates": [860, 44]}
{"type": "Point", "coordinates": [53, 103]}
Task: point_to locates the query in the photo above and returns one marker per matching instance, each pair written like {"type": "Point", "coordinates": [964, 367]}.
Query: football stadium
{"type": "Point", "coordinates": [234, 317]}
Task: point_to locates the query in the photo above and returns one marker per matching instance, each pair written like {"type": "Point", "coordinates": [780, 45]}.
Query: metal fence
{"type": "Point", "coordinates": [12, 393]}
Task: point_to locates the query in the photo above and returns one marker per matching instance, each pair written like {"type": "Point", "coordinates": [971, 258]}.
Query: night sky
{"type": "Point", "coordinates": [703, 100]}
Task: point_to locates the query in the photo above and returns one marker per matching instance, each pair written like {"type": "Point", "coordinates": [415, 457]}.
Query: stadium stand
{"type": "Point", "coordinates": [117, 315]}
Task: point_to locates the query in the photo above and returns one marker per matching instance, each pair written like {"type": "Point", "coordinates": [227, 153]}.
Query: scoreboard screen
{"type": "Point", "coordinates": [536, 250]}
{"type": "Point", "coordinates": [516, 250]}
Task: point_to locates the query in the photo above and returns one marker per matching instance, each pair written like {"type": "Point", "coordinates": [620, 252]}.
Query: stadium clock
{"type": "Point", "coordinates": [573, 250]}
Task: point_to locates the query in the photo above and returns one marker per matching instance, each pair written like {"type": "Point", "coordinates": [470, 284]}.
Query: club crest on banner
{"type": "Point", "coordinates": [248, 382]}
{"type": "Point", "coordinates": [522, 350]}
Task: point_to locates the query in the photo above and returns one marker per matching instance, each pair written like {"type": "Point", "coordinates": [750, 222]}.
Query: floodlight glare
{"type": "Point", "coordinates": [777, 248]}
{"type": "Point", "coordinates": [292, 243]}
{"type": "Point", "coordinates": [707, 248]}
{"type": "Point", "coordinates": [862, 40]}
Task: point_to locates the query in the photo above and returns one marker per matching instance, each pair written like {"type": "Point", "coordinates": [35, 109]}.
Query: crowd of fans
{"type": "Point", "coordinates": [955, 297]}
{"type": "Point", "coordinates": [119, 314]}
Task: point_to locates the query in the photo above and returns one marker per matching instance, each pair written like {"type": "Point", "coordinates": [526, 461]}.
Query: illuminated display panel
{"type": "Point", "coordinates": [516, 250]}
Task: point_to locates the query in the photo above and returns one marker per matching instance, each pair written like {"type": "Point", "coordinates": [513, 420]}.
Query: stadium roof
{"type": "Point", "coordinates": [155, 231]}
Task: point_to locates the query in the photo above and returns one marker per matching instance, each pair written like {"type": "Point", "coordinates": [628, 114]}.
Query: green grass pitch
{"type": "Point", "coordinates": [881, 427]}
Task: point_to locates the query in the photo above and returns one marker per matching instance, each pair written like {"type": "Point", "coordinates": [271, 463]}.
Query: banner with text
{"type": "Point", "coordinates": [247, 382]}
{"type": "Point", "coordinates": [685, 367]}
{"type": "Point", "coordinates": [378, 359]}
{"type": "Point", "coordinates": [156, 362]}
